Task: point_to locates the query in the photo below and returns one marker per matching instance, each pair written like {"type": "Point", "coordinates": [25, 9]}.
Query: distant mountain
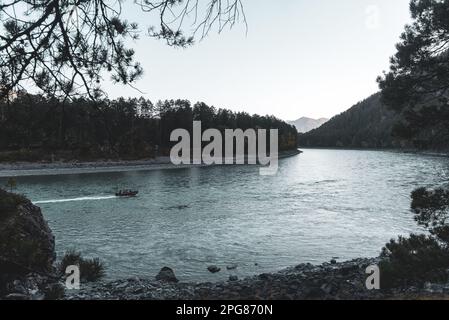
{"type": "Point", "coordinates": [305, 124]}
{"type": "Point", "coordinates": [368, 124]}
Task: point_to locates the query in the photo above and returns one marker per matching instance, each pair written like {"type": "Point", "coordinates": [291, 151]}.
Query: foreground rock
{"type": "Point", "coordinates": [27, 248]}
{"type": "Point", "coordinates": [26, 241]}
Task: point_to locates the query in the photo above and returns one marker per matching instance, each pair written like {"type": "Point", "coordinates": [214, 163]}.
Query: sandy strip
{"type": "Point", "coordinates": [59, 168]}
{"type": "Point", "coordinates": [19, 169]}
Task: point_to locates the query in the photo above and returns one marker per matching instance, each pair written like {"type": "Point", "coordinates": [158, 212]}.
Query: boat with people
{"type": "Point", "coordinates": [126, 193]}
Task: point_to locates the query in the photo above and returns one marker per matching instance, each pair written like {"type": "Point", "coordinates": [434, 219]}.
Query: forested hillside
{"type": "Point", "coordinates": [372, 124]}
{"type": "Point", "coordinates": [368, 124]}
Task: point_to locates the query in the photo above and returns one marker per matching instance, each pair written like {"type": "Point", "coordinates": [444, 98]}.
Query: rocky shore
{"type": "Point", "coordinates": [339, 281]}
{"type": "Point", "coordinates": [344, 280]}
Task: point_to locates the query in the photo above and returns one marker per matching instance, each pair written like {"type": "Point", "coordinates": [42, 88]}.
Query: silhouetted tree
{"type": "Point", "coordinates": [417, 85]}
{"type": "Point", "coordinates": [63, 47]}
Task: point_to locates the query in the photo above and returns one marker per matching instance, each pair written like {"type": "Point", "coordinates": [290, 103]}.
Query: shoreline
{"type": "Point", "coordinates": [434, 153]}
{"type": "Point", "coordinates": [328, 281]}
{"type": "Point", "coordinates": [20, 169]}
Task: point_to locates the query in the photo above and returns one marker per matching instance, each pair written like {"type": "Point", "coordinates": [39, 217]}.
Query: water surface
{"type": "Point", "coordinates": [321, 204]}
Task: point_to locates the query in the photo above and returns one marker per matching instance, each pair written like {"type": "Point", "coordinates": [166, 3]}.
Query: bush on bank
{"type": "Point", "coordinates": [420, 258]}
{"type": "Point", "coordinates": [90, 269]}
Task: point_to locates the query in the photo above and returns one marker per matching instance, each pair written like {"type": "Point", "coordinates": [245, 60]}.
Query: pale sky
{"type": "Point", "coordinates": [312, 58]}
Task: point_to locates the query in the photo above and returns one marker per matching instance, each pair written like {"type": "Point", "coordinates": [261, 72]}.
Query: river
{"type": "Point", "coordinates": [321, 204]}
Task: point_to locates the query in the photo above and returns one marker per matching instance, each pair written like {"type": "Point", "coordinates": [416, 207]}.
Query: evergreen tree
{"type": "Point", "coordinates": [417, 84]}
{"type": "Point", "coordinates": [64, 47]}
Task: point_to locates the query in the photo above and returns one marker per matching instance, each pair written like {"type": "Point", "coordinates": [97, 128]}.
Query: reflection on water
{"type": "Point", "coordinates": [321, 204]}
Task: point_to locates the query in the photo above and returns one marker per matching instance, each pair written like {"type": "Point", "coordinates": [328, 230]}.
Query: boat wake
{"type": "Point", "coordinates": [75, 199]}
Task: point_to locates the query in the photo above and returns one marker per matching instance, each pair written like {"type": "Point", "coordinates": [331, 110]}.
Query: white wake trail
{"type": "Point", "coordinates": [75, 199]}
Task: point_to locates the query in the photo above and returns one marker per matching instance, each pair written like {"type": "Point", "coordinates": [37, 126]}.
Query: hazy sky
{"type": "Point", "coordinates": [311, 58]}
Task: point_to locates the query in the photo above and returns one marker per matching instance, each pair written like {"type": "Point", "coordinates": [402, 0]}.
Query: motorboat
{"type": "Point", "coordinates": [126, 193]}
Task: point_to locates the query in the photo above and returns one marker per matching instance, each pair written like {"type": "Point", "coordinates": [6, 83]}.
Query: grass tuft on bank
{"type": "Point", "coordinates": [91, 270]}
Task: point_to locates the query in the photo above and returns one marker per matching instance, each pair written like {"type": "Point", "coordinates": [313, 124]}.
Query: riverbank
{"type": "Point", "coordinates": [60, 168]}
{"type": "Point", "coordinates": [435, 153]}
{"type": "Point", "coordinates": [17, 169]}
{"type": "Point", "coordinates": [329, 281]}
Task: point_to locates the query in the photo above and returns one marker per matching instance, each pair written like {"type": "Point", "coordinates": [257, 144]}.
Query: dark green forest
{"type": "Point", "coordinates": [368, 124]}
{"type": "Point", "coordinates": [35, 128]}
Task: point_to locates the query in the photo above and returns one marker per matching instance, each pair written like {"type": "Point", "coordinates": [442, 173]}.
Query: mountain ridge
{"type": "Point", "coordinates": [306, 124]}
{"type": "Point", "coordinates": [367, 124]}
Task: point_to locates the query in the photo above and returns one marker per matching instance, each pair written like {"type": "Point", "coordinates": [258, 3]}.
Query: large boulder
{"type": "Point", "coordinates": [26, 241]}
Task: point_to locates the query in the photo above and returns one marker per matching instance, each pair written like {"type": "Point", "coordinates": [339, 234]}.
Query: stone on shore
{"type": "Point", "coordinates": [167, 275]}
{"type": "Point", "coordinates": [233, 278]}
{"type": "Point", "coordinates": [213, 269]}
{"type": "Point", "coordinates": [231, 266]}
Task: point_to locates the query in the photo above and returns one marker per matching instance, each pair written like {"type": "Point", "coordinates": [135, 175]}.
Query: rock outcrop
{"type": "Point", "coordinates": [27, 244]}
